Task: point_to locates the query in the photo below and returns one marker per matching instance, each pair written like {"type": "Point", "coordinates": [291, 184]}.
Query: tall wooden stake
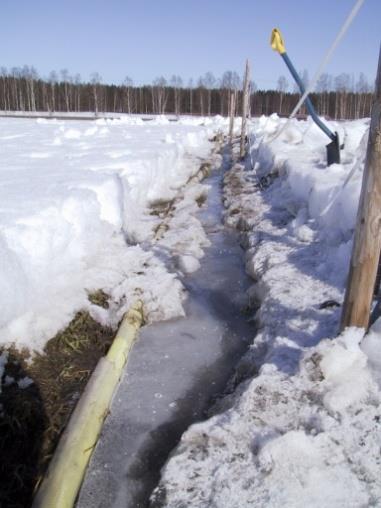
{"type": "Point", "coordinates": [367, 240]}
{"type": "Point", "coordinates": [245, 103]}
{"type": "Point", "coordinates": [232, 115]}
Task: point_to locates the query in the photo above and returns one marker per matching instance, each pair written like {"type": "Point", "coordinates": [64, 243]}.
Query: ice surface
{"type": "Point", "coordinates": [174, 369]}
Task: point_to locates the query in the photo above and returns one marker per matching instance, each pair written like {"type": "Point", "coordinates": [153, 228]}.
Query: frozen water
{"type": "Point", "coordinates": [175, 368]}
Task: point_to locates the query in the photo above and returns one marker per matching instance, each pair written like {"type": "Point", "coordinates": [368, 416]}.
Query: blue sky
{"type": "Point", "coordinates": [148, 38]}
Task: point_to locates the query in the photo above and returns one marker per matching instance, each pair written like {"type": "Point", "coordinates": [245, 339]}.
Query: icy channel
{"type": "Point", "coordinates": [175, 371]}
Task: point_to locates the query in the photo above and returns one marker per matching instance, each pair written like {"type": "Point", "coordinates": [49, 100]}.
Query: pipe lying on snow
{"type": "Point", "coordinates": [63, 480]}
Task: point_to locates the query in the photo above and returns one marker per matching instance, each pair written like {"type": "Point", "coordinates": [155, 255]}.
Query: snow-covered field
{"type": "Point", "coordinates": [103, 204]}
{"type": "Point", "coordinates": [80, 205]}
{"type": "Point", "coordinates": [304, 428]}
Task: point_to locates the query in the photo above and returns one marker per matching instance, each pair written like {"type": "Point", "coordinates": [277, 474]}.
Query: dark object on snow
{"type": "Point", "coordinates": [333, 151]}
{"type": "Point", "coordinates": [328, 304]}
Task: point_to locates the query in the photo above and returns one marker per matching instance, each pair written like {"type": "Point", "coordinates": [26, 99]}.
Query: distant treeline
{"type": "Point", "coordinates": [24, 90]}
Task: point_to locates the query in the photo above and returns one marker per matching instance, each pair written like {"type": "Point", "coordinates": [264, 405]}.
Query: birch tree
{"type": "Point", "coordinates": [177, 83]}
{"type": "Point", "coordinates": [127, 85]}
{"type": "Point", "coordinates": [95, 81]}
{"type": "Point", "coordinates": [282, 87]}
{"type": "Point", "coordinates": [160, 85]}
{"type": "Point", "coordinates": [209, 82]}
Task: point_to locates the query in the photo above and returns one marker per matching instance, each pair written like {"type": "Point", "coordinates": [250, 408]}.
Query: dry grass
{"type": "Point", "coordinates": [99, 298]}
{"type": "Point", "coordinates": [33, 418]}
{"type": "Point", "coordinates": [161, 208]}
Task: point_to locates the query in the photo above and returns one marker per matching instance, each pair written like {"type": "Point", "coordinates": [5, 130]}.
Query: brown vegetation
{"type": "Point", "coordinates": [34, 416]}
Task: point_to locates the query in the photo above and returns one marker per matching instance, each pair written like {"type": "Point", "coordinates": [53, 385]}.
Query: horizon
{"type": "Point", "coordinates": [80, 42]}
{"type": "Point", "coordinates": [76, 79]}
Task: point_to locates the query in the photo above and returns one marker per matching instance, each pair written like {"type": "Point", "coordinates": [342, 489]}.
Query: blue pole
{"type": "Point", "coordinates": [308, 103]}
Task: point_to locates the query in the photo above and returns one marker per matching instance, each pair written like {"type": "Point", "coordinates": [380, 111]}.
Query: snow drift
{"type": "Point", "coordinates": [303, 429]}
{"type": "Point", "coordinates": [76, 216]}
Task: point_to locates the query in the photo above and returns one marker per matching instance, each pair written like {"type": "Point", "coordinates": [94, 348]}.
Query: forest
{"type": "Point", "coordinates": [22, 89]}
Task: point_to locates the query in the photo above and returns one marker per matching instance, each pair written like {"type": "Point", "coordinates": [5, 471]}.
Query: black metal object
{"type": "Point", "coordinates": [333, 151]}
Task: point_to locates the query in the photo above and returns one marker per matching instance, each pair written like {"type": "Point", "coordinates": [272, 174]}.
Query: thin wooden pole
{"type": "Point", "coordinates": [232, 115]}
{"type": "Point", "coordinates": [367, 240]}
{"type": "Point", "coordinates": [245, 102]}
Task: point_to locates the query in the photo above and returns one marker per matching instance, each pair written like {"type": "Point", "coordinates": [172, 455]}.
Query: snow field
{"type": "Point", "coordinates": [76, 216]}
{"type": "Point", "coordinates": [304, 428]}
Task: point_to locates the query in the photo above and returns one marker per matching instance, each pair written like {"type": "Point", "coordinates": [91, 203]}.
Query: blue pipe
{"type": "Point", "coordinates": [308, 103]}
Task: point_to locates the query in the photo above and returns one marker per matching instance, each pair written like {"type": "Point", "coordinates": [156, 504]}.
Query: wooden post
{"type": "Point", "coordinates": [232, 115]}
{"type": "Point", "coordinates": [367, 239]}
{"type": "Point", "coordinates": [245, 102]}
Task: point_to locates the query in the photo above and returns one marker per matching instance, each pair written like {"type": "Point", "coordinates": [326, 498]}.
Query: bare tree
{"type": "Point", "coordinates": [342, 86]}
{"type": "Point", "coordinates": [282, 87]}
{"type": "Point", "coordinates": [253, 86]}
{"type": "Point", "coordinates": [253, 89]}
{"type": "Point", "coordinates": [3, 75]}
{"type": "Point", "coordinates": [323, 86]}
{"type": "Point", "coordinates": [53, 79]}
{"type": "Point", "coordinates": [96, 80]}
{"type": "Point", "coordinates": [209, 82]}
{"type": "Point", "coordinates": [230, 81]}
{"type": "Point", "coordinates": [190, 86]}
{"type": "Point", "coordinates": [30, 75]}
{"type": "Point", "coordinates": [201, 95]}
{"type": "Point", "coordinates": [65, 80]}
{"type": "Point", "coordinates": [15, 75]}
{"type": "Point", "coordinates": [22, 89]}
{"type": "Point", "coordinates": [362, 88]}
{"type": "Point", "coordinates": [177, 83]}
{"type": "Point", "coordinates": [160, 85]}
{"type": "Point", "coordinates": [245, 103]}
{"type": "Point", "coordinates": [127, 86]}
{"type": "Point", "coordinates": [77, 92]}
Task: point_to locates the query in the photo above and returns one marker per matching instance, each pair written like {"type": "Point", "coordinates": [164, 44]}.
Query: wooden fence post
{"type": "Point", "coordinates": [245, 102]}
{"type": "Point", "coordinates": [232, 114]}
{"type": "Point", "coordinates": [367, 239]}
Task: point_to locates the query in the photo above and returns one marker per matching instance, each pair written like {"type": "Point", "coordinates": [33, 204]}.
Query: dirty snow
{"type": "Point", "coordinates": [304, 426]}
{"type": "Point", "coordinates": [80, 211]}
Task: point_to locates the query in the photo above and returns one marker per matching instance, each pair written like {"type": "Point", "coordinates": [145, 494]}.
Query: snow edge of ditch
{"type": "Point", "coordinates": [322, 422]}
{"type": "Point", "coordinates": [204, 170]}
{"type": "Point", "coordinates": [81, 434]}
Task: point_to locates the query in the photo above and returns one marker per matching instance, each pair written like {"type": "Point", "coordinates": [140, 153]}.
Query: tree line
{"type": "Point", "coordinates": [22, 89]}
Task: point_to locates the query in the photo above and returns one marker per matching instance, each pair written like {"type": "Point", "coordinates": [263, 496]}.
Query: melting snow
{"type": "Point", "coordinates": [305, 428]}
{"type": "Point", "coordinates": [76, 216]}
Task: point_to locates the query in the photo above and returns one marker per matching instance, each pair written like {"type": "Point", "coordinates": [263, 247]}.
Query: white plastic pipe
{"type": "Point", "coordinates": [66, 471]}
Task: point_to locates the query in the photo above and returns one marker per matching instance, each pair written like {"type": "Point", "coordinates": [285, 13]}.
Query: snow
{"type": "Point", "coordinates": [77, 215]}
{"type": "Point", "coordinates": [110, 204]}
{"type": "Point", "coordinates": [371, 345]}
{"type": "Point", "coordinates": [303, 429]}
{"type": "Point", "coordinates": [174, 369]}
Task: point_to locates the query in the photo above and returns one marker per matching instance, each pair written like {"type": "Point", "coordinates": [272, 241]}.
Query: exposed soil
{"type": "Point", "coordinates": [34, 413]}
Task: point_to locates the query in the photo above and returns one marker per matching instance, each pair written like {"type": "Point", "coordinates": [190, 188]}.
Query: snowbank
{"type": "Point", "coordinates": [307, 440]}
{"type": "Point", "coordinates": [304, 428]}
{"type": "Point", "coordinates": [78, 203]}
